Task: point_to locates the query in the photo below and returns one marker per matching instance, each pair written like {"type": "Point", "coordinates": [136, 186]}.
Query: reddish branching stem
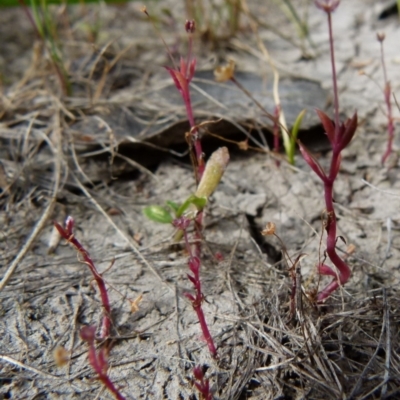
{"type": "Point", "coordinates": [202, 384]}
{"type": "Point", "coordinates": [31, 19]}
{"type": "Point", "coordinates": [182, 77]}
{"type": "Point", "coordinates": [68, 234]}
{"type": "Point", "coordinates": [98, 361]}
{"type": "Point", "coordinates": [339, 135]}
{"type": "Point", "coordinates": [387, 92]}
{"type": "Point", "coordinates": [197, 299]}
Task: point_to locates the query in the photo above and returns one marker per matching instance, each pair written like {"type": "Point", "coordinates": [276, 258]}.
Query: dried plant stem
{"type": "Point", "coordinates": [387, 91]}
{"type": "Point", "coordinates": [57, 152]}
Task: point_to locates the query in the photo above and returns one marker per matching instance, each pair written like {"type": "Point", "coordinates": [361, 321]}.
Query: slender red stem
{"type": "Point", "coordinates": [195, 134]}
{"type": "Point", "coordinates": [68, 235]}
{"type": "Point", "coordinates": [102, 375]}
{"type": "Point", "coordinates": [202, 384]}
{"type": "Point", "coordinates": [197, 299]}
{"type": "Point", "coordinates": [331, 226]}
{"type": "Point", "coordinates": [334, 76]}
{"type": "Point", "coordinates": [340, 136]}
{"type": "Point", "coordinates": [277, 112]}
{"type": "Point", "coordinates": [189, 110]}
{"type": "Point", "coordinates": [98, 361]}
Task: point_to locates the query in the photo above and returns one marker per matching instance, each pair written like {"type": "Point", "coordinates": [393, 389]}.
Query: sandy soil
{"type": "Point", "coordinates": [113, 146]}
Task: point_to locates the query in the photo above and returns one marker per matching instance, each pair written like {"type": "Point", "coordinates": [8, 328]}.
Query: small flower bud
{"type": "Point", "coordinates": [69, 225]}
{"type": "Point", "coordinates": [328, 6]}
{"type": "Point", "coordinates": [143, 9]}
{"type": "Point", "coordinates": [190, 26]}
{"type": "Point", "coordinates": [380, 36]}
{"type": "Point", "coordinates": [181, 223]}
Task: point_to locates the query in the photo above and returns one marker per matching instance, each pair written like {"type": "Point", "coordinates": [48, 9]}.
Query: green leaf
{"type": "Point", "coordinates": [158, 214]}
{"type": "Point", "coordinates": [172, 205]}
{"type": "Point", "coordinates": [293, 138]}
{"type": "Point", "coordinates": [198, 202]}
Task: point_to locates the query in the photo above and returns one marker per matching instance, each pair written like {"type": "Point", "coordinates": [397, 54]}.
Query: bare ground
{"type": "Point", "coordinates": [101, 155]}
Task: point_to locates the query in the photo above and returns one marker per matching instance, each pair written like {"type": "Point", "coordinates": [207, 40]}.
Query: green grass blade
{"type": "Point", "coordinates": [293, 137]}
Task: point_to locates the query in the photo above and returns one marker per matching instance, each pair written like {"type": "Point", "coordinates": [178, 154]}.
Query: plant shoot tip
{"type": "Point", "coordinates": [380, 36]}
{"type": "Point", "coordinates": [190, 26]}
{"type": "Point", "coordinates": [329, 6]}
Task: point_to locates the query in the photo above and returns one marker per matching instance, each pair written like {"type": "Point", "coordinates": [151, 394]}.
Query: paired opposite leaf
{"type": "Point", "coordinates": [163, 215]}
{"type": "Point", "coordinates": [212, 175]}
{"type": "Point", "coordinates": [328, 126]}
{"type": "Point", "coordinates": [158, 214]}
{"type": "Point", "coordinates": [349, 130]}
{"type": "Point", "coordinates": [172, 205]}
{"type": "Point", "coordinates": [198, 202]}
{"type": "Point", "coordinates": [312, 162]}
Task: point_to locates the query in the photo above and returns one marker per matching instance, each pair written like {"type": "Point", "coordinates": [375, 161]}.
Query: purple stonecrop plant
{"type": "Point", "coordinates": [339, 134]}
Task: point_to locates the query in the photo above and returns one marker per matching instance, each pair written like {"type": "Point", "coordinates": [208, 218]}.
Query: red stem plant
{"type": "Point", "coordinates": [202, 384]}
{"type": "Point", "coordinates": [387, 91]}
{"type": "Point", "coordinates": [68, 234]}
{"type": "Point", "coordinates": [182, 77]}
{"type": "Point", "coordinates": [197, 299]}
{"type": "Point", "coordinates": [213, 172]}
{"type": "Point", "coordinates": [339, 134]}
{"type": "Point", "coordinates": [97, 359]}
{"type": "Point", "coordinates": [277, 112]}
{"type": "Point", "coordinates": [207, 179]}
